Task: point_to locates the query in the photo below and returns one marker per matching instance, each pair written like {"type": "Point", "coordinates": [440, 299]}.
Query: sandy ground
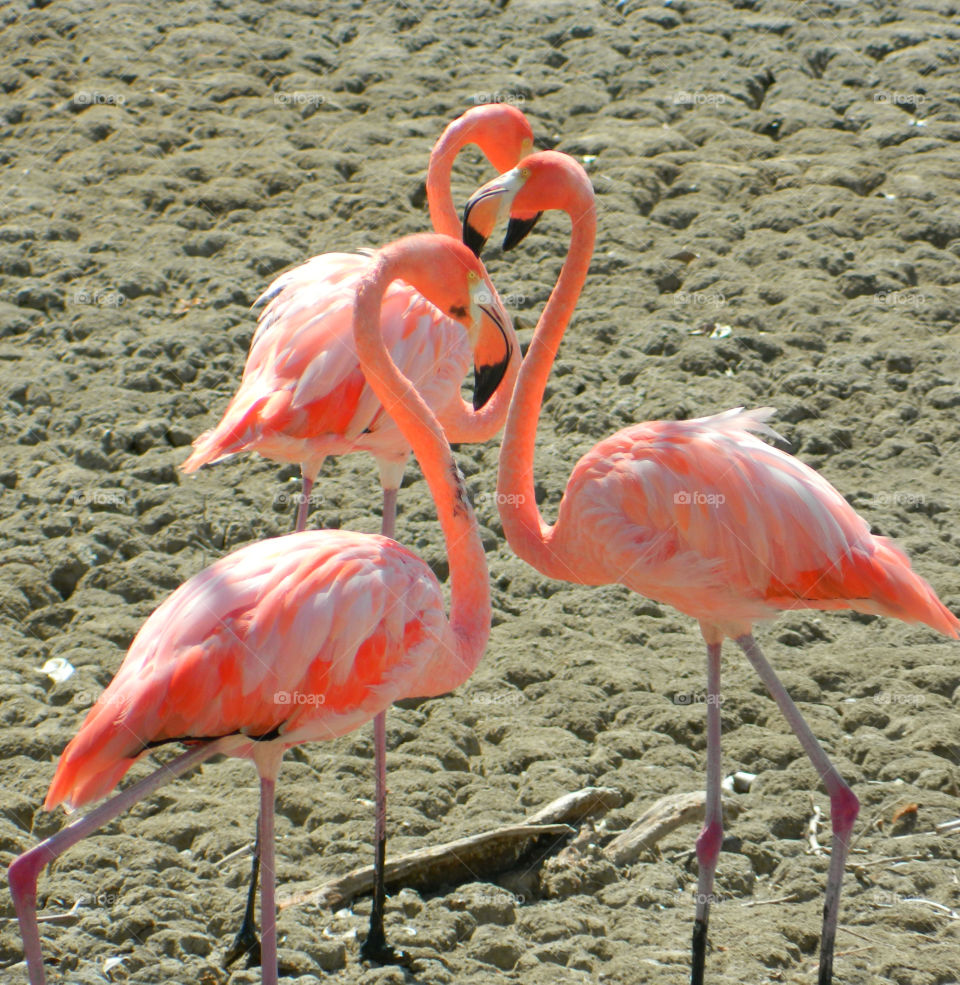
{"type": "Point", "coordinates": [162, 162]}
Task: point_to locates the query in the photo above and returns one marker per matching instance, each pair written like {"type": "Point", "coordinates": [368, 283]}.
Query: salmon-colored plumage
{"type": "Point", "coordinates": [705, 516]}
{"type": "Point", "coordinates": [303, 396]}
{"type": "Point", "coordinates": [324, 618]}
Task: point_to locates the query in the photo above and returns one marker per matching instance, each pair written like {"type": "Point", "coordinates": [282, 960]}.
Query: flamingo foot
{"type": "Point", "coordinates": [376, 950]}
{"type": "Point", "coordinates": [699, 951]}
{"type": "Point", "coordinates": [247, 944]}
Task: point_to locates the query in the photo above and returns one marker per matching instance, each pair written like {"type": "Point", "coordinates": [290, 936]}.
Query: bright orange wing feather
{"type": "Point", "coordinates": [309, 634]}
{"type": "Point", "coordinates": [706, 517]}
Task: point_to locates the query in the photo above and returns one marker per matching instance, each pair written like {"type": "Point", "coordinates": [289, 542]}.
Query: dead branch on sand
{"type": "Point", "coordinates": [474, 858]}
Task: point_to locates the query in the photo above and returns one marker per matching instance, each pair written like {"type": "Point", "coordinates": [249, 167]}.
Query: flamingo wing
{"type": "Point", "coordinates": [304, 636]}
{"type": "Point", "coordinates": [716, 522]}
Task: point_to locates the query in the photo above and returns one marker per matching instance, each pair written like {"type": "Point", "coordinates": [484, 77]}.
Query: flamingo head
{"type": "Point", "coordinates": [541, 181]}
{"type": "Point", "coordinates": [501, 131]}
{"type": "Point", "coordinates": [448, 275]}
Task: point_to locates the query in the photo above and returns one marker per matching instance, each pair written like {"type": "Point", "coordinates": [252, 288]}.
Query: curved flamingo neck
{"type": "Point", "coordinates": [469, 583]}
{"type": "Point", "coordinates": [524, 527]}
{"type": "Point", "coordinates": [443, 213]}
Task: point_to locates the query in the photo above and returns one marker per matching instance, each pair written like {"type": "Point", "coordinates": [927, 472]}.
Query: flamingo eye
{"type": "Point", "coordinates": [458, 311]}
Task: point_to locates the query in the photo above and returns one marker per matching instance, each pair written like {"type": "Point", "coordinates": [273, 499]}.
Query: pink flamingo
{"type": "Point", "coordinates": [699, 514]}
{"type": "Point", "coordinates": [295, 639]}
{"type": "Point", "coordinates": [303, 395]}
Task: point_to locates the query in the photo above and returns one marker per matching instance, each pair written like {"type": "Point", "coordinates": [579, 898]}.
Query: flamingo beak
{"type": "Point", "coordinates": [517, 230]}
{"type": "Point", "coordinates": [480, 217]}
{"type": "Point", "coordinates": [488, 205]}
{"type": "Point", "coordinates": [490, 363]}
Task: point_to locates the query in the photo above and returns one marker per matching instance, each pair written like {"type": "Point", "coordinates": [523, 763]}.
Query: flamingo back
{"type": "Point", "coordinates": [303, 395]}
{"type": "Point", "coordinates": [705, 516]}
{"type": "Point", "coordinates": [302, 637]}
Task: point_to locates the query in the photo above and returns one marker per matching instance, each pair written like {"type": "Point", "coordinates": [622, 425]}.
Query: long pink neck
{"type": "Point", "coordinates": [461, 422]}
{"type": "Point", "coordinates": [469, 581]}
{"type": "Point", "coordinates": [443, 213]}
{"type": "Point", "coordinates": [523, 526]}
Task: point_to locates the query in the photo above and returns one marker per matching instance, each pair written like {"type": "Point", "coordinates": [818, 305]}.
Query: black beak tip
{"type": "Point", "coordinates": [473, 239]}
{"type": "Point", "coordinates": [517, 230]}
{"type": "Point", "coordinates": [486, 380]}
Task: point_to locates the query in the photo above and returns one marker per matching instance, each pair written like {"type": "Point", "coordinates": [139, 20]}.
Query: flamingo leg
{"type": "Point", "coordinates": [304, 508]}
{"type": "Point", "coordinates": [246, 942]}
{"type": "Point", "coordinates": [711, 837]}
{"type": "Point", "coordinates": [375, 947]}
{"type": "Point", "coordinates": [388, 520]}
{"type": "Point", "coordinates": [269, 767]}
{"type": "Point", "coordinates": [844, 805]}
{"type": "Point", "coordinates": [25, 870]}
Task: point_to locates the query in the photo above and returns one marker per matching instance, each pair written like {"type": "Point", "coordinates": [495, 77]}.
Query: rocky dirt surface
{"type": "Point", "coordinates": [778, 190]}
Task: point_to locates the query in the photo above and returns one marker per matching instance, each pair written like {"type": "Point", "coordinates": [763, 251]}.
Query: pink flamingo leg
{"type": "Point", "coordinates": [388, 522]}
{"type": "Point", "coordinates": [25, 870]}
{"type": "Point", "coordinates": [304, 508]}
{"type": "Point", "coordinates": [268, 879]}
{"type": "Point", "coordinates": [375, 947]}
{"type": "Point", "coordinates": [711, 837]}
{"type": "Point", "coordinates": [844, 805]}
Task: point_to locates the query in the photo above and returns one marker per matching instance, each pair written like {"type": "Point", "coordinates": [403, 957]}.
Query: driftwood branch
{"type": "Point", "coordinates": [475, 858]}
{"type": "Point", "coordinates": [667, 814]}
{"type": "Point", "coordinates": [572, 808]}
